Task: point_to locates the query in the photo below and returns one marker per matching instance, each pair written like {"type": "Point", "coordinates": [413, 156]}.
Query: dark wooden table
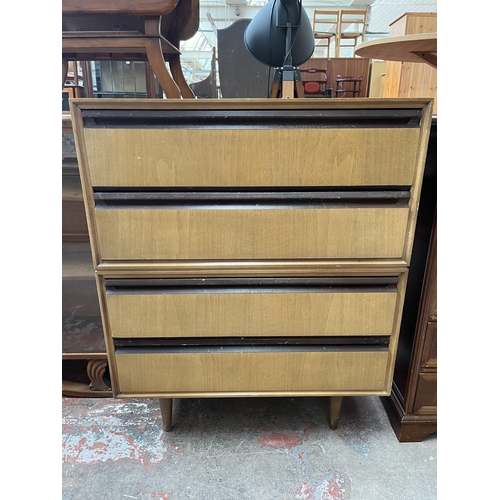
{"type": "Point", "coordinates": [140, 30]}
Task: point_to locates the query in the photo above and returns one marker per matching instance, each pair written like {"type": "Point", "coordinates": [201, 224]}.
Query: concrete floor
{"type": "Point", "coordinates": [245, 449]}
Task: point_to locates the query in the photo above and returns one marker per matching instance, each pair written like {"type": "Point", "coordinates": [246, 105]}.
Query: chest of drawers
{"type": "Point", "coordinates": [251, 247]}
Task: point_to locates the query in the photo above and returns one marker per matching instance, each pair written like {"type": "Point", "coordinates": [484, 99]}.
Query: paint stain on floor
{"type": "Point", "coordinates": [153, 495]}
{"type": "Point", "coordinates": [278, 440]}
{"type": "Point", "coordinates": [330, 488]}
{"type": "Point", "coordinates": [125, 430]}
{"type": "Point", "coordinates": [293, 443]}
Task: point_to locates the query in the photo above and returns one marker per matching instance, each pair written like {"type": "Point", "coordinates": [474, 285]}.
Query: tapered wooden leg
{"type": "Point", "coordinates": [166, 413]}
{"type": "Point", "coordinates": [275, 87]}
{"type": "Point", "coordinates": [335, 405]}
{"type": "Point", "coordinates": [299, 88]}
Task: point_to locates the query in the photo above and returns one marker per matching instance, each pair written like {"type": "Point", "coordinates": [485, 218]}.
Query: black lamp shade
{"type": "Point", "coordinates": [265, 36]}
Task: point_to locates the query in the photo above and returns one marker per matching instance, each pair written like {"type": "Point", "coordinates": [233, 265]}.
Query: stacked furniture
{"type": "Point", "coordinates": [351, 27]}
{"type": "Point", "coordinates": [325, 26]}
{"type": "Point", "coordinates": [411, 79]}
{"type": "Point", "coordinates": [338, 25]}
{"type": "Point", "coordinates": [251, 247]}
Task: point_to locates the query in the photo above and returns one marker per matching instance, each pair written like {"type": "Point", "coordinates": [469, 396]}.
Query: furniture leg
{"type": "Point", "coordinates": [178, 76]}
{"type": "Point", "coordinates": [335, 405]}
{"type": "Point", "coordinates": [96, 369]}
{"type": "Point", "coordinates": [64, 71]}
{"type": "Point", "coordinates": [274, 89]}
{"type": "Point", "coordinates": [155, 58]}
{"type": "Point", "coordinates": [166, 413]}
{"type": "Point", "coordinates": [87, 79]}
{"type": "Point", "coordinates": [150, 82]}
{"type": "Point", "coordinates": [299, 87]}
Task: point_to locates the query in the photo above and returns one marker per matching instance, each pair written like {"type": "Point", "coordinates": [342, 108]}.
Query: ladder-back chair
{"type": "Point", "coordinates": [325, 26]}
{"type": "Point", "coordinates": [351, 27]}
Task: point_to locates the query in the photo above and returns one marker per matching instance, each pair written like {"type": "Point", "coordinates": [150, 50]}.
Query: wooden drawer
{"type": "Point", "coordinates": [221, 157]}
{"type": "Point", "coordinates": [218, 370]}
{"type": "Point", "coordinates": [251, 229]}
{"type": "Point", "coordinates": [266, 307]}
{"type": "Point", "coordinates": [426, 394]}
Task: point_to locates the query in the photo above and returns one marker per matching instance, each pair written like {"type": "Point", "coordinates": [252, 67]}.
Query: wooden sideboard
{"type": "Point", "coordinates": [412, 405]}
{"type": "Point", "coordinates": [251, 247]}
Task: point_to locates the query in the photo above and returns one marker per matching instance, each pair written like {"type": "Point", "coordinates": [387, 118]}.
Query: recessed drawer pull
{"type": "Point", "coordinates": [145, 290]}
{"type": "Point", "coordinates": [351, 341]}
{"type": "Point", "coordinates": [206, 282]}
{"type": "Point", "coordinates": [251, 200]}
{"type": "Point", "coordinates": [222, 349]}
{"type": "Point", "coordinates": [105, 194]}
{"type": "Point", "coordinates": [331, 118]}
{"type": "Point", "coordinates": [151, 286]}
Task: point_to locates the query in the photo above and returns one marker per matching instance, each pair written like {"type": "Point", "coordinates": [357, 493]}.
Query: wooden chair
{"type": "Point", "coordinates": [351, 27]}
{"type": "Point", "coordinates": [347, 85]}
{"type": "Point", "coordinates": [143, 30]}
{"type": "Point", "coordinates": [315, 82]}
{"type": "Point", "coordinates": [325, 26]}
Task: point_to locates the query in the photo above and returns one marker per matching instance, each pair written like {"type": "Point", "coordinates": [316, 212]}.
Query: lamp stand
{"type": "Point", "coordinates": [287, 79]}
{"type": "Point", "coordinates": [287, 84]}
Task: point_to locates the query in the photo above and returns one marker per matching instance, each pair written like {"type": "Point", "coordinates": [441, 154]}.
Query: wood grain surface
{"type": "Point", "coordinates": [250, 314]}
{"type": "Point", "coordinates": [252, 157]}
{"type": "Point", "coordinates": [140, 234]}
{"type": "Point", "coordinates": [260, 371]}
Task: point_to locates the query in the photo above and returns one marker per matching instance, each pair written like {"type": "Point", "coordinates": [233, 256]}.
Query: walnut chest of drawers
{"type": "Point", "coordinates": [251, 247]}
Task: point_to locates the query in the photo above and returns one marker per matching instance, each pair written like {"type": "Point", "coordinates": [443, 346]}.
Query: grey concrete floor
{"type": "Point", "coordinates": [240, 448]}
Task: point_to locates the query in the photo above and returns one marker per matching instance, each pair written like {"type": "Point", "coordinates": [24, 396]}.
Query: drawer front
{"type": "Point", "coordinates": [426, 394]}
{"type": "Point", "coordinates": [178, 157]}
{"type": "Point", "coordinates": [274, 233]}
{"type": "Point", "coordinates": [217, 371]}
{"type": "Point", "coordinates": [238, 310]}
